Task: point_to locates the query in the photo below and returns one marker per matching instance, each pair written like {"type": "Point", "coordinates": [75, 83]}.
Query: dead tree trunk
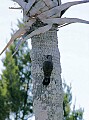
{"type": "Point", "coordinates": [48, 100]}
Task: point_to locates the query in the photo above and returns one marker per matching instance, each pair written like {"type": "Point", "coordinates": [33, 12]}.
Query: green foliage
{"type": "Point", "coordinates": [16, 88]}
{"type": "Point", "coordinates": [14, 84]}
{"type": "Point", "coordinates": [9, 85]}
{"type": "Point", "coordinates": [70, 114]}
{"type": "Point", "coordinates": [23, 61]}
{"type": "Point", "coordinates": [4, 108]}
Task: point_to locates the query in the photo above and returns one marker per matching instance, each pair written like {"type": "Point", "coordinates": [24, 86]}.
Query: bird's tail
{"type": "Point", "coordinates": [46, 81]}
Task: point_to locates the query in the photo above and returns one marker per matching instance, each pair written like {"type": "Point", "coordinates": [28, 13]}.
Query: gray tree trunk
{"type": "Point", "coordinates": [48, 101]}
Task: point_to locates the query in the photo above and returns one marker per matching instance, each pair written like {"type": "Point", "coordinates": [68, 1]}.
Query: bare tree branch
{"type": "Point", "coordinates": [38, 31]}
{"type": "Point", "coordinates": [15, 36]}
{"type": "Point", "coordinates": [36, 8]}
{"type": "Point", "coordinates": [50, 15]}
{"type": "Point", "coordinates": [15, 8]}
{"type": "Point", "coordinates": [59, 9]}
{"type": "Point", "coordinates": [56, 1]}
{"type": "Point", "coordinates": [19, 33]}
{"type": "Point", "coordinates": [61, 21]}
{"type": "Point", "coordinates": [21, 3]}
{"type": "Point", "coordinates": [50, 3]}
{"type": "Point", "coordinates": [69, 4]}
{"type": "Point", "coordinates": [30, 4]}
{"type": "Point", "coordinates": [59, 2]}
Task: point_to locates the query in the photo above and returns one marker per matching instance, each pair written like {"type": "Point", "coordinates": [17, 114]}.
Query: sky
{"type": "Point", "coordinates": [73, 45]}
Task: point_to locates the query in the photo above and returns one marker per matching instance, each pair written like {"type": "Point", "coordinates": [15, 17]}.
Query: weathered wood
{"type": "Point", "coordinates": [39, 6]}
{"type": "Point", "coordinates": [69, 4]}
{"type": "Point", "coordinates": [16, 35]}
{"type": "Point", "coordinates": [44, 16]}
{"type": "Point", "coordinates": [58, 9]}
{"type": "Point", "coordinates": [56, 1]}
{"type": "Point", "coordinates": [36, 8]}
{"type": "Point", "coordinates": [19, 33]}
{"type": "Point", "coordinates": [48, 13]}
{"type": "Point", "coordinates": [59, 2]}
{"type": "Point", "coordinates": [30, 22]}
{"type": "Point", "coordinates": [17, 46]}
{"type": "Point", "coordinates": [29, 5]}
{"type": "Point", "coordinates": [38, 31]}
{"type": "Point", "coordinates": [55, 16]}
{"type": "Point", "coordinates": [15, 7]}
{"type": "Point", "coordinates": [44, 9]}
{"type": "Point", "coordinates": [50, 3]}
{"type": "Point", "coordinates": [61, 21]}
{"type": "Point", "coordinates": [21, 3]}
{"type": "Point", "coordinates": [47, 101]}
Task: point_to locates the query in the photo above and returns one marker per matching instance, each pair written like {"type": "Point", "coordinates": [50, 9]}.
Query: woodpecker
{"type": "Point", "coordinates": [47, 69]}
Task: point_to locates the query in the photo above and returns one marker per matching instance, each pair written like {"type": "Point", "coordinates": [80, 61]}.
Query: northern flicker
{"type": "Point", "coordinates": [47, 69]}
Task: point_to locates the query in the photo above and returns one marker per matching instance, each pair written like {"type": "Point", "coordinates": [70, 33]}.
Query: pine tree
{"type": "Point", "coordinates": [69, 113]}
{"type": "Point", "coordinates": [10, 83]}
{"type": "Point", "coordinates": [23, 60]}
{"type": "Point", "coordinates": [15, 83]}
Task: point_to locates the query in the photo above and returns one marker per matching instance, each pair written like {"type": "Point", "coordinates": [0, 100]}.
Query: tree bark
{"type": "Point", "coordinates": [48, 100]}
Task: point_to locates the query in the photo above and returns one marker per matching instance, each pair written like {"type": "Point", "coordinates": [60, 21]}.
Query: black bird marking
{"type": "Point", "coordinates": [47, 69]}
